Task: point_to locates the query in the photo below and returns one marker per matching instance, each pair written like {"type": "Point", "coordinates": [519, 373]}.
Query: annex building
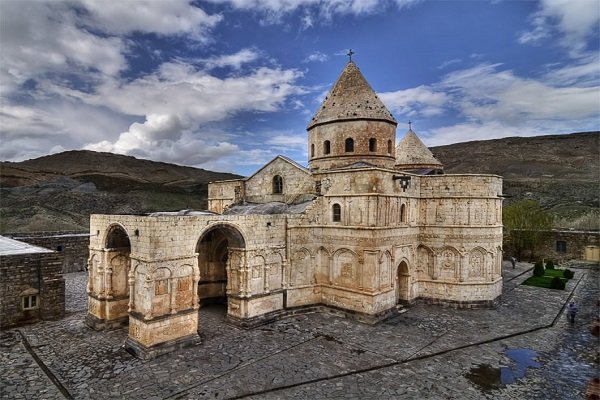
{"type": "Point", "coordinates": [367, 226]}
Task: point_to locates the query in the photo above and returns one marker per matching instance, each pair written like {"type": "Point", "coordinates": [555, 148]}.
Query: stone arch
{"type": "Point", "coordinates": [275, 270]}
{"type": "Point", "coordinates": [385, 267]}
{"type": "Point", "coordinates": [257, 272]}
{"type": "Point", "coordinates": [277, 184]}
{"type": "Point", "coordinates": [372, 144]}
{"type": "Point", "coordinates": [449, 262]}
{"type": "Point", "coordinates": [116, 236]}
{"type": "Point", "coordinates": [323, 263]}
{"type": "Point", "coordinates": [336, 212]}
{"type": "Point", "coordinates": [345, 268]}
{"type": "Point", "coordinates": [349, 145]}
{"type": "Point", "coordinates": [301, 267]}
{"type": "Point", "coordinates": [114, 275]}
{"type": "Point", "coordinates": [402, 282]}
{"type": "Point", "coordinates": [477, 263]}
{"type": "Point", "coordinates": [326, 147]}
{"type": "Point", "coordinates": [403, 213]}
{"type": "Point", "coordinates": [425, 263]}
{"type": "Point", "coordinates": [221, 254]}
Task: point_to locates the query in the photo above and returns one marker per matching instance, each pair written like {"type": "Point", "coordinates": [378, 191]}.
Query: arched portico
{"type": "Point", "coordinates": [402, 283]}
{"type": "Point", "coordinates": [108, 280]}
{"type": "Point", "coordinates": [217, 247]}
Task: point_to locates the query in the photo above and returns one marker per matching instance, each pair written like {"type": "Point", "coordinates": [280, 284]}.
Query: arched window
{"type": "Point", "coordinates": [336, 213]}
{"type": "Point", "coordinates": [349, 145]}
{"type": "Point", "coordinates": [389, 147]}
{"type": "Point", "coordinates": [312, 150]}
{"type": "Point", "coordinates": [372, 144]}
{"type": "Point", "coordinates": [277, 184]}
{"type": "Point", "coordinates": [326, 147]}
{"type": "Point", "coordinates": [402, 213]}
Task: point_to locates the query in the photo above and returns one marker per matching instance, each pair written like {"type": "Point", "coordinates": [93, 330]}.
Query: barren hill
{"type": "Point", "coordinates": [60, 191]}
{"type": "Point", "coordinates": [562, 172]}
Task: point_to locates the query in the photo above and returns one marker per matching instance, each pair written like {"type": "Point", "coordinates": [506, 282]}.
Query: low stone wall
{"type": "Point", "coordinates": [73, 246]}
{"type": "Point", "coordinates": [36, 274]}
{"type": "Point", "coordinates": [561, 246]}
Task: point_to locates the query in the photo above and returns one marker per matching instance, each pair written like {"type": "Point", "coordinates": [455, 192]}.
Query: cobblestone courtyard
{"type": "Point", "coordinates": [426, 352]}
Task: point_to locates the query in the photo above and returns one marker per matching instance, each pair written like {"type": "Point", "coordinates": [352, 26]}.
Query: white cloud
{"type": "Point", "coordinates": [486, 93]}
{"type": "Point", "coordinates": [317, 56]}
{"type": "Point", "coordinates": [448, 63]}
{"type": "Point", "coordinates": [326, 9]}
{"type": "Point", "coordinates": [172, 17]}
{"type": "Point", "coordinates": [288, 141]}
{"type": "Point", "coordinates": [575, 20]}
{"type": "Point", "coordinates": [422, 100]}
{"type": "Point", "coordinates": [234, 61]}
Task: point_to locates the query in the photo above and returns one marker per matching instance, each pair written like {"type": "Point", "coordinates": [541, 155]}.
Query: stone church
{"type": "Point", "coordinates": [367, 227]}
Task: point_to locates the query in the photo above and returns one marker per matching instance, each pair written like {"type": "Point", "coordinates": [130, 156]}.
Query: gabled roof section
{"type": "Point", "coordinates": [411, 151]}
{"type": "Point", "coordinates": [351, 98]}
{"type": "Point", "coordinates": [10, 247]}
{"type": "Point", "coordinates": [287, 160]}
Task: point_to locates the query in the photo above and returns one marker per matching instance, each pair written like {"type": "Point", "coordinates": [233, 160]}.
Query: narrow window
{"type": "Point", "coordinates": [326, 147]}
{"type": "Point", "coordinates": [336, 212]}
{"type": "Point", "coordinates": [30, 302]}
{"type": "Point", "coordinates": [372, 144]}
{"type": "Point", "coordinates": [277, 184]}
{"type": "Point", "coordinates": [349, 145]}
{"type": "Point", "coordinates": [402, 213]}
{"type": "Point", "coordinates": [389, 147]}
{"type": "Point", "coordinates": [312, 150]}
{"type": "Point", "coordinates": [561, 246]}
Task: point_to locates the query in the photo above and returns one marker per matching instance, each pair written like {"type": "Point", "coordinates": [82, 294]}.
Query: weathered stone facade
{"type": "Point", "coordinates": [354, 234]}
{"type": "Point", "coordinates": [572, 245]}
{"type": "Point", "coordinates": [32, 287]}
{"type": "Point", "coordinates": [73, 246]}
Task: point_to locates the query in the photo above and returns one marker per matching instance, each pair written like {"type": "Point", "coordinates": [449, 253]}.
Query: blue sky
{"type": "Point", "coordinates": [229, 84]}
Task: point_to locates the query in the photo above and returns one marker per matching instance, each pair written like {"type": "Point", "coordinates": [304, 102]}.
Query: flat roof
{"type": "Point", "coordinates": [9, 247]}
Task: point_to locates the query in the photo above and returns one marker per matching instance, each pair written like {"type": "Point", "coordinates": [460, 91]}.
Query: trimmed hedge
{"type": "Point", "coordinates": [538, 269]}
{"type": "Point", "coordinates": [557, 283]}
{"type": "Point", "coordinates": [549, 264]}
{"type": "Point", "coordinates": [568, 274]}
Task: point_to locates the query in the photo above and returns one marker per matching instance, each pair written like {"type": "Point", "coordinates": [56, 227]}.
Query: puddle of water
{"type": "Point", "coordinates": [485, 376]}
{"type": "Point", "coordinates": [522, 359]}
{"type": "Point", "coordinates": [489, 378]}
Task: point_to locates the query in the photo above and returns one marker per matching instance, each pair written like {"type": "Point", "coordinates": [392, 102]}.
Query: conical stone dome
{"type": "Point", "coordinates": [412, 154]}
{"type": "Point", "coordinates": [351, 98]}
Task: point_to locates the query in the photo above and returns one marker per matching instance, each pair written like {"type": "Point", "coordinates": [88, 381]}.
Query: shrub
{"type": "Point", "coordinates": [538, 269]}
{"type": "Point", "coordinates": [549, 265]}
{"type": "Point", "coordinates": [557, 283]}
{"type": "Point", "coordinates": [568, 274]}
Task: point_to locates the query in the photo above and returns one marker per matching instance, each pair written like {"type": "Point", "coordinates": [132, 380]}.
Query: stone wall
{"type": "Point", "coordinates": [73, 246]}
{"type": "Point", "coordinates": [225, 193]}
{"type": "Point", "coordinates": [577, 245]}
{"type": "Point", "coordinates": [30, 275]}
{"type": "Point", "coordinates": [296, 181]}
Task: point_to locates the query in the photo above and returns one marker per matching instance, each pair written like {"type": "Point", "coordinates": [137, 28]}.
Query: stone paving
{"type": "Point", "coordinates": [426, 352]}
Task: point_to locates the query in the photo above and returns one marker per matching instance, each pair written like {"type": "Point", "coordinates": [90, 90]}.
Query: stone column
{"type": "Point", "coordinates": [173, 295]}
{"type": "Point", "coordinates": [148, 288]}
{"type": "Point", "coordinates": [108, 282]}
{"type": "Point", "coordinates": [131, 277]}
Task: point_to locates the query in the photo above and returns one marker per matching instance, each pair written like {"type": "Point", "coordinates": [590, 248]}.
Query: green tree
{"type": "Point", "coordinates": [526, 225]}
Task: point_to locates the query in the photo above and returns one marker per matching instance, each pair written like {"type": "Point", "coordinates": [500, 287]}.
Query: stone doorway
{"type": "Point", "coordinates": [217, 249]}
{"type": "Point", "coordinates": [402, 284]}
{"type": "Point", "coordinates": [108, 282]}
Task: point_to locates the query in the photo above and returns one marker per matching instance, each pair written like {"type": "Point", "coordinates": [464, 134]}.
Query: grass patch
{"type": "Point", "coordinates": [544, 281]}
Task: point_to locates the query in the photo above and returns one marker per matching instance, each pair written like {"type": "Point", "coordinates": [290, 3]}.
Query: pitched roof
{"type": "Point", "coordinates": [284, 158]}
{"type": "Point", "coordinates": [10, 247]}
{"type": "Point", "coordinates": [351, 98]}
{"type": "Point", "coordinates": [411, 151]}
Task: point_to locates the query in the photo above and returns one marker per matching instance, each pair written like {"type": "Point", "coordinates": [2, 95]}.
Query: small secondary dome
{"type": "Point", "coordinates": [351, 98]}
{"type": "Point", "coordinates": [412, 154]}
